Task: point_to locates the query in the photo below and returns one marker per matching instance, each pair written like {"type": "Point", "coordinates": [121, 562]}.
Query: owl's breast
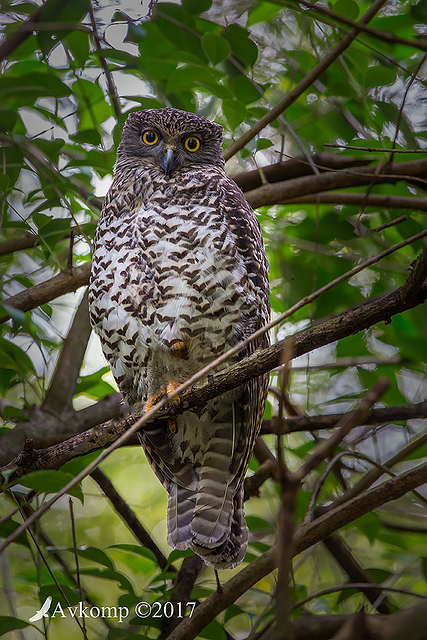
{"type": "Point", "coordinates": [168, 276]}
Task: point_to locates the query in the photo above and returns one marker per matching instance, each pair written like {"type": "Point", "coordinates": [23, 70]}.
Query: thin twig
{"type": "Point", "coordinates": [76, 558]}
{"type": "Point", "coordinates": [372, 149]}
{"type": "Point", "coordinates": [307, 81]}
{"type": "Point", "coordinates": [348, 422]}
{"type": "Point", "coordinates": [130, 518]}
{"type": "Point", "coordinates": [112, 89]}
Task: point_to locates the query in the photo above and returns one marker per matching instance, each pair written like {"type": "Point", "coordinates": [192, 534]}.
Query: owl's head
{"type": "Point", "coordinates": [171, 139]}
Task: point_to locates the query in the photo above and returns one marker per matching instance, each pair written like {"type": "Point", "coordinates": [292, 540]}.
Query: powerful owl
{"type": "Point", "coordinates": [179, 276]}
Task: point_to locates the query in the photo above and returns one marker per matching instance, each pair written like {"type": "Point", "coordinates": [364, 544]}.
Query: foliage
{"type": "Point", "coordinates": [60, 123]}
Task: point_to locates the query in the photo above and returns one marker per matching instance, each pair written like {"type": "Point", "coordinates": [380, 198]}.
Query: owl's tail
{"type": "Point", "coordinates": [187, 531]}
{"type": "Point", "coordinates": [228, 553]}
{"type": "Point", "coordinates": [210, 519]}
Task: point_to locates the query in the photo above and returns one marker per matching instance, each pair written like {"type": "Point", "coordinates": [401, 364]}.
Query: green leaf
{"type": "Point", "coordinates": [232, 611]}
{"type": "Point", "coordinates": [234, 111]}
{"type": "Point", "coordinates": [107, 574]}
{"type": "Point", "coordinates": [7, 119]}
{"type": "Point", "coordinates": [96, 555]}
{"type": "Point", "coordinates": [133, 548]}
{"type": "Point", "coordinates": [263, 143]}
{"type": "Point", "coordinates": [196, 6]}
{"type": "Point", "coordinates": [262, 12]}
{"type": "Point", "coordinates": [9, 526]}
{"type": "Point", "coordinates": [215, 47]}
{"type": "Point", "coordinates": [419, 11]}
{"type": "Point", "coordinates": [78, 41]}
{"type": "Point", "coordinates": [213, 631]}
{"type": "Point", "coordinates": [51, 482]}
{"type": "Point", "coordinates": [7, 623]}
{"type": "Point", "coordinates": [245, 90]}
{"type": "Point", "coordinates": [61, 11]}
{"type": "Point", "coordinates": [347, 8]}
{"type": "Point", "coordinates": [15, 358]}
{"type": "Point", "coordinates": [378, 76]}
{"type": "Point", "coordinates": [88, 136]}
{"type": "Point", "coordinates": [73, 595]}
{"type": "Point", "coordinates": [256, 523]}
{"type": "Point", "coordinates": [242, 46]}
{"type": "Point", "coordinates": [28, 88]}
{"type": "Point", "coordinates": [4, 180]}
{"type": "Point", "coordinates": [369, 525]}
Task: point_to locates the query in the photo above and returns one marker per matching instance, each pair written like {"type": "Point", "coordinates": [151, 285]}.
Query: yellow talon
{"type": "Point", "coordinates": [170, 388]}
{"type": "Point", "coordinates": [173, 424]}
{"type": "Point", "coordinates": [153, 400]}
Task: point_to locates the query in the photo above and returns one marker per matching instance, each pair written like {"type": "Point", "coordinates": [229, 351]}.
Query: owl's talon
{"type": "Point", "coordinates": [173, 424]}
{"type": "Point", "coordinates": [153, 400]}
{"type": "Point", "coordinates": [176, 401]}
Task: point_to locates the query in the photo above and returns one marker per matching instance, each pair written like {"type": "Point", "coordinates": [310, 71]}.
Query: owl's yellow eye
{"type": "Point", "coordinates": [150, 137]}
{"type": "Point", "coordinates": [192, 143]}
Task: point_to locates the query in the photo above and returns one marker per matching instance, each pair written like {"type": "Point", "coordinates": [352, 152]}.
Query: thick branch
{"type": "Point", "coordinates": [358, 199]}
{"type": "Point", "coordinates": [279, 192]}
{"type": "Point", "coordinates": [46, 429]}
{"type": "Point", "coordinates": [305, 537]}
{"type": "Point", "coordinates": [344, 324]}
{"type": "Point", "coordinates": [375, 417]}
{"type": "Point", "coordinates": [407, 623]}
{"type": "Point", "coordinates": [297, 167]}
{"type": "Point", "coordinates": [65, 282]}
{"type": "Point", "coordinates": [29, 240]}
{"type": "Point", "coordinates": [60, 394]}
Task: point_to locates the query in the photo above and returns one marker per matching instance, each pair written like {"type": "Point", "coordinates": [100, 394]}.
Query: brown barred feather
{"type": "Point", "coordinates": [179, 260]}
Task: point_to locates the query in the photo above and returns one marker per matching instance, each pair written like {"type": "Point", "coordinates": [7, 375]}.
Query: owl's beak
{"type": "Point", "coordinates": [169, 161]}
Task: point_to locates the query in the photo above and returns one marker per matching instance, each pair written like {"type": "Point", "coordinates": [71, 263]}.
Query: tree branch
{"type": "Point", "coordinates": [65, 282]}
{"type": "Point", "coordinates": [129, 518]}
{"type": "Point", "coordinates": [305, 83]}
{"type": "Point", "coordinates": [407, 623]}
{"type": "Point", "coordinates": [280, 192]}
{"type": "Point", "coordinates": [296, 168]}
{"type": "Point", "coordinates": [314, 423]}
{"type": "Point", "coordinates": [59, 396]}
{"type": "Point", "coordinates": [419, 43]}
{"type": "Point", "coordinates": [344, 324]}
{"type": "Point", "coordinates": [357, 199]}
{"type": "Point", "coordinates": [304, 538]}
{"type": "Point", "coordinates": [112, 90]}
{"type": "Point", "coordinates": [344, 557]}
{"type": "Point", "coordinates": [46, 429]}
{"type": "Point", "coordinates": [24, 31]}
{"type": "Point", "coordinates": [325, 448]}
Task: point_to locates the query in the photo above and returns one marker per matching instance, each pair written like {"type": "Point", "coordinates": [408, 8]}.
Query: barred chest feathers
{"type": "Point", "coordinates": [167, 273]}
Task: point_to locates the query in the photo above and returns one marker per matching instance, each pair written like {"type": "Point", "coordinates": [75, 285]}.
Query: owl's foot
{"type": "Point", "coordinates": [175, 402]}
{"type": "Point", "coordinates": [153, 400]}
{"type": "Point", "coordinates": [179, 349]}
{"type": "Point", "coordinates": [173, 424]}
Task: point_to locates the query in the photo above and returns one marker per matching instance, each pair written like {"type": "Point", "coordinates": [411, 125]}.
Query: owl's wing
{"type": "Point", "coordinates": [246, 230]}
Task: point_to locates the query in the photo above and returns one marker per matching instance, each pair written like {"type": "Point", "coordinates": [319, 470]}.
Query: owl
{"type": "Point", "coordinates": [179, 277]}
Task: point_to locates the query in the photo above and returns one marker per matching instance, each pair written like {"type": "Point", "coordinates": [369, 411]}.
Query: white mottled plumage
{"type": "Point", "coordinates": [179, 260]}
